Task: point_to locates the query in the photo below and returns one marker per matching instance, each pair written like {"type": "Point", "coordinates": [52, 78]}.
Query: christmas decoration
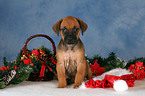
{"type": "Point", "coordinates": [109, 80]}
{"type": "Point", "coordinates": [138, 69]}
{"type": "Point", "coordinates": [133, 61]}
{"type": "Point", "coordinates": [109, 63]}
{"type": "Point", "coordinates": [120, 85]}
{"type": "Point", "coordinates": [40, 64]}
{"type": "Point", "coordinates": [96, 69]}
{"type": "Point", "coordinates": [36, 64]}
{"type": "Point", "coordinates": [27, 68]}
{"type": "Point", "coordinates": [40, 56]}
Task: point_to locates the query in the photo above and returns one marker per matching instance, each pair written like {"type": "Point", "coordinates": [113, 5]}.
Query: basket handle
{"type": "Point", "coordinates": [39, 35]}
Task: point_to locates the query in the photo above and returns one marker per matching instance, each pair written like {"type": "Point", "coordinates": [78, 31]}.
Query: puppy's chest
{"type": "Point", "coordinates": [70, 62]}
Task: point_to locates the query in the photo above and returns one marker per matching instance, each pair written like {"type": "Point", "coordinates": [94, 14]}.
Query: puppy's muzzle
{"type": "Point", "coordinates": [70, 38]}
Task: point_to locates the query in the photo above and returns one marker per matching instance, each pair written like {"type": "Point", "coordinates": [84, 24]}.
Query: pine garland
{"type": "Point", "coordinates": [109, 63]}
{"type": "Point", "coordinates": [133, 61]}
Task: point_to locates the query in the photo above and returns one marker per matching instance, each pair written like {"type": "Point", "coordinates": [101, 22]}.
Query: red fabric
{"type": "Point", "coordinates": [52, 60]}
{"type": "Point", "coordinates": [108, 81]}
{"type": "Point", "coordinates": [42, 70]}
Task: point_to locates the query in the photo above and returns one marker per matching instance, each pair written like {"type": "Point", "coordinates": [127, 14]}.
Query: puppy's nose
{"type": "Point", "coordinates": [70, 35]}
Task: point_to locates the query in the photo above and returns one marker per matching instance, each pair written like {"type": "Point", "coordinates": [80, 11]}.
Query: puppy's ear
{"type": "Point", "coordinates": [56, 27]}
{"type": "Point", "coordinates": [83, 25]}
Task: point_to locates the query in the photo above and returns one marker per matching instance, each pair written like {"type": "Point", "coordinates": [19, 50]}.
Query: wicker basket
{"type": "Point", "coordinates": [34, 76]}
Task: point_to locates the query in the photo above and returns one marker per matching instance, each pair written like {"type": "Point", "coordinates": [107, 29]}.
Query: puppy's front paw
{"type": "Point", "coordinates": [62, 85]}
{"type": "Point", "coordinates": [76, 85]}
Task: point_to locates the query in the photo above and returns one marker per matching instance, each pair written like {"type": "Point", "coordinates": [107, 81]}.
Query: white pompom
{"type": "Point", "coordinates": [120, 85]}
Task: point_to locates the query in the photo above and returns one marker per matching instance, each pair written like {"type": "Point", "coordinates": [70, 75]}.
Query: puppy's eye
{"type": "Point", "coordinates": [75, 29]}
{"type": "Point", "coordinates": [64, 29]}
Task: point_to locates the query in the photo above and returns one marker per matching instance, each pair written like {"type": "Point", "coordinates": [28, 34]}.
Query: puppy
{"type": "Point", "coordinates": [70, 54]}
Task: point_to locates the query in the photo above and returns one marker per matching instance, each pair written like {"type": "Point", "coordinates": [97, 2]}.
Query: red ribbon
{"type": "Point", "coordinates": [42, 70]}
{"type": "Point", "coordinates": [52, 60]}
{"type": "Point", "coordinates": [44, 66]}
